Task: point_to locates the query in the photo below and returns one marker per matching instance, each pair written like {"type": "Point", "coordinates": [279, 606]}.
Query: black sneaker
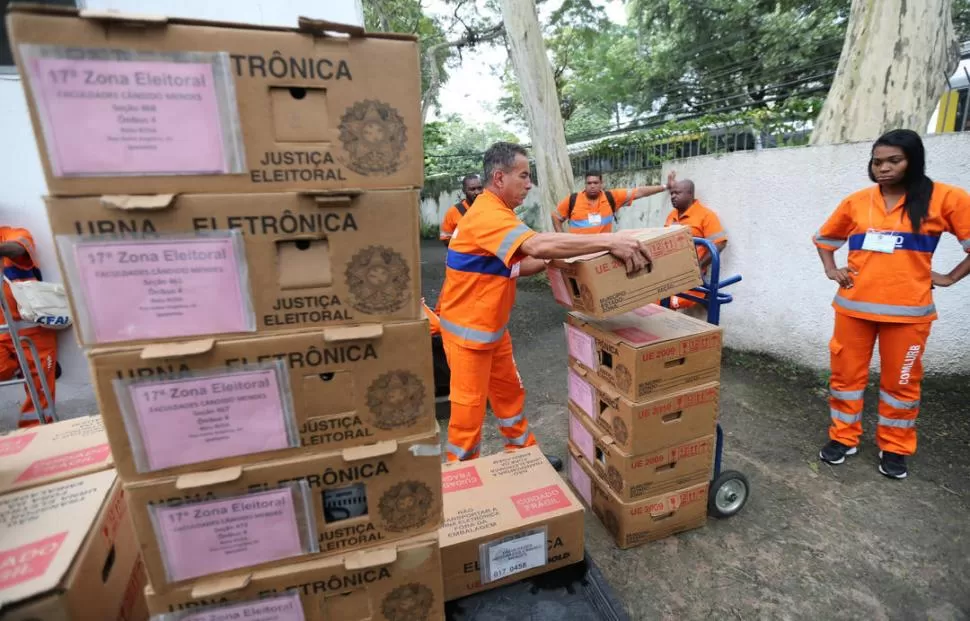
{"type": "Point", "coordinates": [555, 462]}
{"type": "Point", "coordinates": [893, 465]}
{"type": "Point", "coordinates": [835, 452]}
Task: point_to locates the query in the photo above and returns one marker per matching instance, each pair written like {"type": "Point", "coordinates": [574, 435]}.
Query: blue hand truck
{"type": "Point", "coordinates": [729, 489]}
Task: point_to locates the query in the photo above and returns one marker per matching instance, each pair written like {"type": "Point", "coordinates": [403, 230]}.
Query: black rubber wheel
{"type": "Point", "coordinates": [728, 494]}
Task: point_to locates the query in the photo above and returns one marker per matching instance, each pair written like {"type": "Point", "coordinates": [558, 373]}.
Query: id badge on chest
{"type": "Point", "coordinates": [595, 219]}
{"type": "Point", "coordinates": [877, 241]}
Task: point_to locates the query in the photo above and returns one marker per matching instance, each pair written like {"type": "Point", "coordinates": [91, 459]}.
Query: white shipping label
{"type": "Point", "coordinates": [512, 555]}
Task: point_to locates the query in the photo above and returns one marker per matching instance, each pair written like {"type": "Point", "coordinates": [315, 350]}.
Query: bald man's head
{"type": "Point", "coordinates": [682, 194]}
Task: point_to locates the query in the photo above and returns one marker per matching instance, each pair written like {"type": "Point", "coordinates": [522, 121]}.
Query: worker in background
{"type": "Point", "coordinates": [702, 222]}
{"type": "Point", "coordinates": [490, 249]}
{"type": "Point", "coordinates": [593, 211]}
{"type": "Point", "coordinates": [17, 253]}
{"type": "Point", "coordinates": [892, 229]}
{"type": "Point", "coordinates": [471, 186]}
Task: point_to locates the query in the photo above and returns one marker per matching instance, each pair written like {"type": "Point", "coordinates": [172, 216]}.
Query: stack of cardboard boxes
{"type": "Point", "coordinates": [236, 214]}
{"type": "Point", "coordinates": [643, 391]}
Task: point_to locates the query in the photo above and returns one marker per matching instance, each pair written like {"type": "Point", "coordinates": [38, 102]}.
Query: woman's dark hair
{"type": "Point", "coordinates": [919, 187]}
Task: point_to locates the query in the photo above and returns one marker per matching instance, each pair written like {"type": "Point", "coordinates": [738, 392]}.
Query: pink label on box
{"type": "Point", "coordinates": [635, 336]}
{"type": "Point", "coordinates": [200, 419]}
{"type": "Point", "coordinates": [582, 346]}
{"type": "Point", "coordinates": [15, 444]}
{"type": "Point", "coordinates": [582, 438]}
{"type": "Point", "coordinates": [75, 460]}
{"type": "Point", "coordinates": [221, 535]}
{"type": "Point", "coordinates": [283, 608]}
{"type": "Point", "coordinates": [29, 561]}
{"type": "Point", "coordinates": [647, 311]}
{"type": "Point", "coordinates": [543, 500]}
{"type": "Point", "coordinates": [581, 481]}
{"type": "Point", "coordinates": [581, 393]}
{"type": "Point", "coordinates": [455, 480]}
{"type": "Point", "coordinates": [155, 289]}
{"type": "Point", "coordinates": [558, 284]}
{"type": "Point", "coordinates": [111, 117]}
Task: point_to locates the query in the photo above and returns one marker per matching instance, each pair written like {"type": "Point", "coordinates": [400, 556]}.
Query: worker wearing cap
{"type": "Point", "coordinates": [471, 186]}
{"type": "Point", "coordinates": [17, 253]}
{"type": "Point", "coordinates": [490, 249]}
{"type": "Point", "coordinates": [593, 211]}
{"type": "Point", "coordinates": [702, 222]}
{"type": "Point", "coordinates": [892, 229]}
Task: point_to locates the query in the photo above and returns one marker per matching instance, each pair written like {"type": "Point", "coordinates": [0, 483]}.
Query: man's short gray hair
{"type": "Point", "coordinates": [501, 156]}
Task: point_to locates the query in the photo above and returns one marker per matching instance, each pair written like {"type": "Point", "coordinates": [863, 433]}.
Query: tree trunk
{"type": "Point", "coordinates": [542, 111]}
{"type": "Point", "coordinates": [891, 72]}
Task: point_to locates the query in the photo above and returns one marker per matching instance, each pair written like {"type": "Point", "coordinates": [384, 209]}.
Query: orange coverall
{"type": "Point", "coordinates": [450, 221]}
{"type": "Point", "coordinates": [476, 303]}
{"type": "Point", "coordinates": [702, 223]}
{"type": "Point", "coordinates": [891, 300]}
{"type": "Point", "coordinates": [45, 339]}
{"type": "Point", "coordinates": [592, 217]}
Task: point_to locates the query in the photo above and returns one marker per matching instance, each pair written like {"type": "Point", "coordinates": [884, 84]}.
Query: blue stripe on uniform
{"type": "Point", "coordinates": [904, 241]}
{"type": "Point", "coordinates": [585, 224]}
{"type": "Point", "coordinates": [477, 263]}
{"type": "Point", "coordinates": [15, 273]}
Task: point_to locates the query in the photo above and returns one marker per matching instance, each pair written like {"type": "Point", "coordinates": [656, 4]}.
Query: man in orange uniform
{"type": "Point", "coordinates": [704, 223]}
{"type": "Point", "coordinates": [489, 250]}
{"type": "Point", "coordinates": [892, 230]}
{"type": "Point", "coordinates": [471, 185]}
{"type": "Point", "coordinates": [593, 211]}
{"type": "Point", "coordinates": [17, 252]}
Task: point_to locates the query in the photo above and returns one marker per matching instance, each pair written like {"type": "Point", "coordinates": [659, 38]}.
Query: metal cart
{"type": "Point", "coordinates": [729, 489]}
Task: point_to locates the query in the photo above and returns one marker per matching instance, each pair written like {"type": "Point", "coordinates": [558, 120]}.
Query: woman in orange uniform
{"type": "Point", "coordinates": [892, 230]}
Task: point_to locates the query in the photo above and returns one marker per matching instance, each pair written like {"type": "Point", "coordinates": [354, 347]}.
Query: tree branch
{"type": "Point", "coordinates": [471, 37]}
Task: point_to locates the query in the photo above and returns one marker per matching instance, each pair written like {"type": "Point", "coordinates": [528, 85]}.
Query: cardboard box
{"type": "Point", "coordinates": [133, 104]}
{"type": "Point", "coordinates": [598, 285]}
{"type": "Point", "coordinates": [360, 497]}
{"type": "Point", "coordinates": [641, 475]}
{"type": "Point", "coordinates": [313, 260]}
{"type": "Point", "coordinates": [69, 552]}
{"type": "Point", "coordinates": [47, 453]}
{"type": "Point", "coordinates": [397, 582]}
{"type": "Point", "coordinates": [508, 516]}
{"type": "Point", "coordinates": [639, 428]}
{"type": "Point", "coordinates": [347, 386]}
{"type": "Point", "coordinates": [647, 353]}
{"type": "Point", "coordinates": [636, 523]}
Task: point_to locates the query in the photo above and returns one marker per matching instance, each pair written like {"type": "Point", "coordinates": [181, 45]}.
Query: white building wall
{"type": "Point", "coordinates": [22, 179]}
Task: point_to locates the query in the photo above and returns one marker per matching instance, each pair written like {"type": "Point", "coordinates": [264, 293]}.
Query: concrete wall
{"type": "Point", "coordinates": [771, 202]}
{"type": "Point", "coordinates": [22, 179]}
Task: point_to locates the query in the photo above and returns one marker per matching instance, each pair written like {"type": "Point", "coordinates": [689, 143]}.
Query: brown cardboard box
{"type": "Point", "coordinates": [638, 476]}
{"type": "Point", "coordinates": [348, 386]}
{"type": "Point", "coordinates": [48, 453]}
{"type": "Point", "coordinates": [514, 510]}
{"type": "Point", "coordinates": [633, 524]}
{"type": "Point", "coordinates": [396, 582]}
{"type": "Point", "coordinates": [313, 260]}
{"type": "Point", "coordinates": [649, 352]}
{"type": "Point", "coordinates": [69, 552]}
{"type": "Point", "coordinates": [359, 498]}
{"type": "Point", "coordinates": [597, 285]}
{"type": "Point", "coordinates": [167, 105]}
{"type": "Point", "coordinates": [639, 428]}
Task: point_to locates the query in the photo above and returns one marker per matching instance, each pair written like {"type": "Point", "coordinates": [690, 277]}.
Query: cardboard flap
{"type": "Point", "coordinates": [580, 371]}
{"type": "Point", "coordinates": [122, 16]}
{"type": "Point", "coordinates": [378, 449]}
{"type": "Point", "coordinates": [131, 202]}
{"type": "Point", "coordinates": [370, 558]}
{"type": "Point", "coordinates": [363, 332]}
{"type": "Point", "coordinates": [220, 586]}
{"type": "Point", "coordinates": [322, 27]}
{"type": "Point", "coordinates": [212, 477]}
{"type": "Point", "coordinates": [177, 350]}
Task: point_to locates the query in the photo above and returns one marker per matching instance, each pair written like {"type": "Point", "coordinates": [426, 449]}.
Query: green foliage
{"type": "Point", "coordinates": [430, 231]}
{"type": "Point", "coordinates": [454, 147]}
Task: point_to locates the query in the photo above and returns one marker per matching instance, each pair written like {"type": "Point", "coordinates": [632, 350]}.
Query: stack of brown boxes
{"type": "Point", "coordinates": [236, 214]}
{"type": "Point", "coordinates": [643, 401]}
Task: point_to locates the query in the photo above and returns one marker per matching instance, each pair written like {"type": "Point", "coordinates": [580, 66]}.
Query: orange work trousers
{"type": "Point", "coordinates": [901, 347]}
{"type": "Point", "coordinates": [479, 376]}
{"type": "Point", "coordinates": [46, 343]}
